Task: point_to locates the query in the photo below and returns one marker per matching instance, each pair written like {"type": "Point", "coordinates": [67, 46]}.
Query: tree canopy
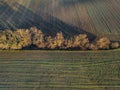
{"type": "Point", "coordinates": [22, 38]}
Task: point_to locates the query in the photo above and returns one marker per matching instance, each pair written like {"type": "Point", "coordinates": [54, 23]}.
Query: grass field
{"type": "Point", "coordinates": [60, 70]}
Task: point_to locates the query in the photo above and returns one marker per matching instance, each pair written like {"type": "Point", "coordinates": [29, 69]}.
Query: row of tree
{"type": "Point", "coordinates": [22, 38]}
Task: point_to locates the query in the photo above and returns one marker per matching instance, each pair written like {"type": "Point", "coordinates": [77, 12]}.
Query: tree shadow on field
{"type": "Point", "coordinates": [19, 17]}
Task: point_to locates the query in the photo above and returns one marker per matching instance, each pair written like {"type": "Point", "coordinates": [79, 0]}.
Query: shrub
{"type": "Point", "coordinates": [114, 45]}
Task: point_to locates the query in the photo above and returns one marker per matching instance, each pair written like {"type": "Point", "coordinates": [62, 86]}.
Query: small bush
{"type": "Point", "coordinates": [114, 45]}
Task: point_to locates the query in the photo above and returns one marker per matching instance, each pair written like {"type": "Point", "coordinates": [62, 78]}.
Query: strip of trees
{"type": "Point", "coordinates": [21, 38]}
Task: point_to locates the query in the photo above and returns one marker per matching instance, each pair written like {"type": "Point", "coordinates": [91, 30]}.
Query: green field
{"type": "Point", "coordinates": [60, 70]}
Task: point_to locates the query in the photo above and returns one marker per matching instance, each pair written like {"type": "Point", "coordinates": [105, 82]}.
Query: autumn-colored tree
{"type": "Point", "coordinates": [103, 43]}
{"type": "Point", "coordinates": [55, 42]}
{"type": "Point", "coordinates": [50, 43]}
{"type": "Point", "coordinates": [7, 40]}
{"type": "Point", "coordinates": [69, 43]}
{"type": "Point", "coordinates": [81, 41]}
{"type": "Point", "coordinates": [37, 37]}
{"type": "Point", "coordinates": [3, 40]}
{"type": "Point", "coordinates": [59, 40]}
{"type": "Point", "coordinates": [114, 45]}
{"type": "Point", "coordinates": [27, 37]}
{"type": "Point", "coordinates": [92, 46]}
{"type": "Point", "coordinates": [23, 37]}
